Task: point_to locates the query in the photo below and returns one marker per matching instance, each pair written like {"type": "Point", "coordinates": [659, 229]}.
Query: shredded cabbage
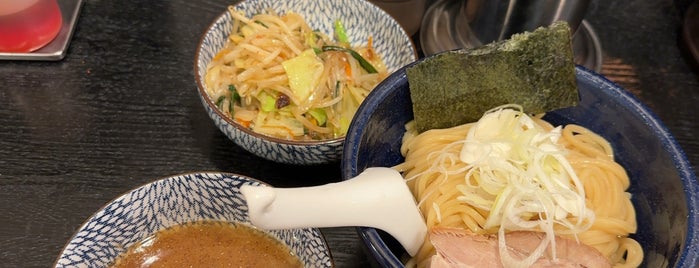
{"type": "Point", "coordinates": [521, 176]}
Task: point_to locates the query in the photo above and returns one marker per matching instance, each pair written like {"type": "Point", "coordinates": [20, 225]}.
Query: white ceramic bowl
{"type": "Point", "coordinates": [172, 201]}
{"type": "Point", "coordinates": [361, 19]}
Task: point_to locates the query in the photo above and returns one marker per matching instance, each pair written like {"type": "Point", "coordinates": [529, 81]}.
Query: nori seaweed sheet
{"type": "Point", "coordinates": [533, 69]}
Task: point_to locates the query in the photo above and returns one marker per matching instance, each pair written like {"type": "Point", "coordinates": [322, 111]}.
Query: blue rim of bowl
{"type": "Point", "coordinates": [689, 256]}
{"type": "Point", "coordinates": [210, 103]}
{"type": "Point", "coordinates": [163, 178]}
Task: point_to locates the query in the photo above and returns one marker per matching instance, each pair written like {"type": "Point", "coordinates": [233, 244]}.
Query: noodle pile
{"type": "Point", "coordinates": [434, 173]}
{"type": "Point", "coordinates": [281, 78]}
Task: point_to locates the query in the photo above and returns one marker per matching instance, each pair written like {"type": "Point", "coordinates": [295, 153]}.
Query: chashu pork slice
{"type": "Point", "coordinates": [464, 249]}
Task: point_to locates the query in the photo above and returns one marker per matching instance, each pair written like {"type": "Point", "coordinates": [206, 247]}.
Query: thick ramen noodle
{"type": "Point", "coordinates": [481, 194]}
{"type": "Point", "coordinates": [279, 77]}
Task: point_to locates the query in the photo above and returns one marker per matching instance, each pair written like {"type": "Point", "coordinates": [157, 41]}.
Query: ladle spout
{"type": "Point", "coordinates": [378, 198]}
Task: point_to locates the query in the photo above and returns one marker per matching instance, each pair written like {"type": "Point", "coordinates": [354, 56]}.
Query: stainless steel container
{"type": "Point", "coordinates": [452, 24]}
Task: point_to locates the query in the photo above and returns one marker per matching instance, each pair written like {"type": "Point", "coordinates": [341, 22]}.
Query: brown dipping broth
{"type": "Point", "coordinates": [209, 244]}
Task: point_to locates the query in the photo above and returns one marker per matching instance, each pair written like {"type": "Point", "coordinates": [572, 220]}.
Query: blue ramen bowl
{"type": "Point", "coordinates": [663, 186]}
{"type": "Point", "coordinates": [173, 201]}
{"type": "Point", "coordinates": [361, 19]}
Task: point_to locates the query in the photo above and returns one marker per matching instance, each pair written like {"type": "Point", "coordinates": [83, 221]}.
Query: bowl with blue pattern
{"type": "Point", "coordinates": [171, 201]}
{"type": "Point", "coordinates": [362, 20]}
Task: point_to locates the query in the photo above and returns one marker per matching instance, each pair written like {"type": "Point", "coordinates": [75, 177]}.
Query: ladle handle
{"type": "Point", "coordinates": [378, 197]}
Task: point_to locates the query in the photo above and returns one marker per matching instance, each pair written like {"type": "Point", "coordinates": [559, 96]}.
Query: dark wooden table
{"type": "Point", "coordinates": [121, 110]}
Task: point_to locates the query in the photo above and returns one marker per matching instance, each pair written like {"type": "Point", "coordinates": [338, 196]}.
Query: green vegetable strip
{"type": "Point", "coordinates": [235, 98]}
{"type": "Point", "coordinates": [336, 92]}
{"type": "Point", "coordinates": [340, 32]}
{"type": "Point", "coordinates": [219, 101]}
{"type": "Point", "coordinates": [261, 23]}
{"type": "Point", "coordinates": [362, 61]}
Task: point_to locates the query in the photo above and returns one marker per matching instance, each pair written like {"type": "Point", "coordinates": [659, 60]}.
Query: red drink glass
{"type": "Point", "coordinates": [27, 25]}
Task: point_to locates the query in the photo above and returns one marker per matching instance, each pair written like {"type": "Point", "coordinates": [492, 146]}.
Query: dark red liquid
{"type": "Point", "coordinates": [31, 28]}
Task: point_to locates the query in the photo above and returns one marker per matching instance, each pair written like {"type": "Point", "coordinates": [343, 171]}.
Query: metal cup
{"type": "Point", "coordinates": [493, 20]}
{"type": "Point", "coordinates": [407, 12]}
{"type": "Point", "coordinates": [452, 24]}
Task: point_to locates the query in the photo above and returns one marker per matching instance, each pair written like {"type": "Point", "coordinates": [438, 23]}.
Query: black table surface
{"type": "Point", "coordinates": [122, 110]}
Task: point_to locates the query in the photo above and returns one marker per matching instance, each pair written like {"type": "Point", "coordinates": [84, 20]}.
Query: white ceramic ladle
{"type": "Point", "coordinates": [378, 198]}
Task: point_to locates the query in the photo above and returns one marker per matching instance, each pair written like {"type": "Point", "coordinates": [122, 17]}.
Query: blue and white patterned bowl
{"type": "Point", "coordinates": [171, 201]}
{"type": "Point", "coordinates": [361, 19]}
